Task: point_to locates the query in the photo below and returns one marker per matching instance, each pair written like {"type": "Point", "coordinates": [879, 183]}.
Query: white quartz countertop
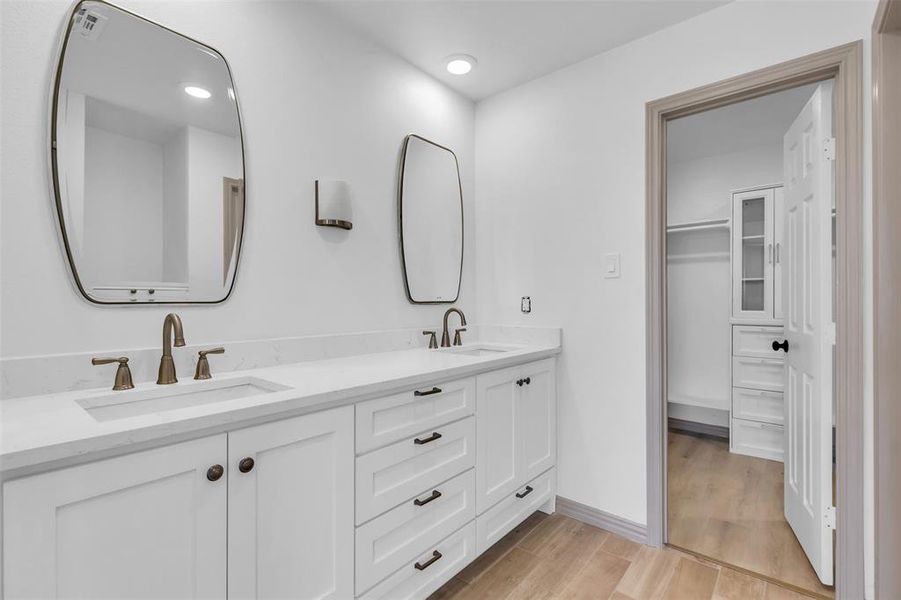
{"type": "Point", "coordinates": [55, 429]}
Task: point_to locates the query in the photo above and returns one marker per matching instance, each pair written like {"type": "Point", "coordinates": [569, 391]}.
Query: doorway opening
{"type": "Point", "coordinates": [755, 323]}
{"type": "Point", "coordinates": [750, 330]}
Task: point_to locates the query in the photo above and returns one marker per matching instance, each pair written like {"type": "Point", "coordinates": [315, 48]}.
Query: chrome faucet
{"type": "Point", "coordinates": [445, 336]}
{"type": "Point", "coordinates": [167, 365]}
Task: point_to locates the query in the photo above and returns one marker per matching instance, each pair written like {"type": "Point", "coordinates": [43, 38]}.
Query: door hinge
{"type": "Point", "coordinates": [829, 148]}
{"type": "Point", "coordinates": [829, 517]}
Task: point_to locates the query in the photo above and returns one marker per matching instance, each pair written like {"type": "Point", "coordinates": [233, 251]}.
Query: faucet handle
{"type": "Point", "coordinates": [203, 365]}
{"type": "Point", "coordinates": [457, 340]}
{"type": "Point", "coordinates": [433, 341]}
{"type": "Point", "coordinates": [123, 379]}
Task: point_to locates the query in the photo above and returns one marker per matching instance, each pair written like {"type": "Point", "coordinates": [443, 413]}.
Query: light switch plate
{"type": "Point", "coordinates": [611, 266]}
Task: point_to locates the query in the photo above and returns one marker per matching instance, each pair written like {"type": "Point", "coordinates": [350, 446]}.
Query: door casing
{"type": "Point", "coordinates": [844, 65]}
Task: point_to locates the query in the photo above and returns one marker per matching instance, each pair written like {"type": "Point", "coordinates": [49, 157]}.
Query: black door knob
{"type": "Point", "coordinates": [215, 472]}
{"type": "Point", "coordinates": [245, 465]}
{"type": "Point", "coordinates": [780, 345]}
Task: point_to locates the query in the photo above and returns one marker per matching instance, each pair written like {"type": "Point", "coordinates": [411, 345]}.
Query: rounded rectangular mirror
{"type": "Point", "coordinates": [431, 221]}
{"type": "Point", "coordinates": [148, 161]}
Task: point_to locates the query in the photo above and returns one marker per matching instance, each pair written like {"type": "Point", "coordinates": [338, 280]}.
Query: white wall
{"type": "Point", "coordinates": [318, 101]}
{"type": "Point", "coordinates": [561, 182]}
{"type": "Point", "coordinates": [123, 208]}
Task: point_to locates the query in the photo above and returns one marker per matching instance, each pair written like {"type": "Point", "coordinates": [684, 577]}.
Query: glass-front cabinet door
{"type": "Point", "coordinates": [752, 254]}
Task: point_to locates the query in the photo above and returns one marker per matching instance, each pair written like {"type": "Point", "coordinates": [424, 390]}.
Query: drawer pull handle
{"type": "Point", "coordinates": [780, 346]}
{"type": "Point", "coordinates": [431, 438]}
{"type": "Point", "coordinates": [434, 390]}
{"type": "Point", "coordinates": [527, 491]}
{"type": "Point", "coordinates": [435, 495]}
{"type": "Point", "coordinates": [246, 465]}
{"type": "Point", "coordinates": [423, 566]}
{"type": "Point", "coordinates": [526, 380]}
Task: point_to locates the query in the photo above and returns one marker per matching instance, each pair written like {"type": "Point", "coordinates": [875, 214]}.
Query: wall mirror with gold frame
{"type": "Point", "coordinates": [431, 221]}
{"type": "Point", "coordinates": [147, 159]}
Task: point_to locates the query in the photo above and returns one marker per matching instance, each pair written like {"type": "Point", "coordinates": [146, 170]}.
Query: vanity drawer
{"type": "Point", "coordinates": [501, 518]}
{"type": "Point", "coordinates": [396, 473]}
{"type": "Point", "coordinates": [758, 405]}
{"type": "Point", "coordinates": [448, 557]}
{"type": "Point", "coordinates": [763, 440]}
{"type": "Point", "coordinates": [756, 342]}
{"type": "Point", "coordinates": [396, 538]}
{"type": "Point", "coordinates": [386, 420]}
{"type": "Point", "coordinates": [758, 373]}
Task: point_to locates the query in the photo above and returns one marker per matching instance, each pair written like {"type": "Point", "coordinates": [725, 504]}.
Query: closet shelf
{"type": "Point", "coordinates": [702, 225]}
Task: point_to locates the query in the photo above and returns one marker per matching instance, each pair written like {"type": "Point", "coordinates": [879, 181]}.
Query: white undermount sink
{"type": "Point", "coordinates": [479, 349]}
{"type": "Point", "coordinates": [132, 403]}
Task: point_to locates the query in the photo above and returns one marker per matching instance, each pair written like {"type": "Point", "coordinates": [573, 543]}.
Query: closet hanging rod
{"type": "Point", "coordinates": [699, 225]}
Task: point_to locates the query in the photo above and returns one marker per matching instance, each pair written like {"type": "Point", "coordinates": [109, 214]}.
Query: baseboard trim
{"type": "Point", "coordinates": [699, 428]}
{"type": "Point", "coordinates": [603, 520]}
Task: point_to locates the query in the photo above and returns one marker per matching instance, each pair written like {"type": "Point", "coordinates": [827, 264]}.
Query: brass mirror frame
{"type": "Point", "coordinates": [400, 220]}
{"type": "Point", "coordinates": [54, 167]}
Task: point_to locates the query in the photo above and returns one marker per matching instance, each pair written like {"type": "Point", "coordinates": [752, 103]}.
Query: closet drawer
{"type": "Point", "coordinates": [756, 342]}
{"type": "Point", "coordinates": [763, 440]}
{"type": "Point", "coordinates": [394, 539]}
{"type": "Point", "coordinates": [448, 557]}
{"type": "Point", "coordinates": [386, 420]}
{"type": "Point", "coordinates": [757, 405]}
{"type": "Point", "coordinates": [758, 373]}
{"type": "Point", "coordinates": [501, 518]}
{"type": "Point", "coordinates": [396, 473]}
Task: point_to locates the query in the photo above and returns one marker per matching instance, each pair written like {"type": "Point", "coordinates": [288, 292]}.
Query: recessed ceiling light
{"type": "Point", "coordinates": [460, 64]}
{"type": "Point", "coordinates": [197, 92]}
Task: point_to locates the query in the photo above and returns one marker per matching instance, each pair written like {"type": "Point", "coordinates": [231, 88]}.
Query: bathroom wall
{"type": "Point", "coordinates": [318, 101]}
{"type": "Point", "coordinates": [561, 183]}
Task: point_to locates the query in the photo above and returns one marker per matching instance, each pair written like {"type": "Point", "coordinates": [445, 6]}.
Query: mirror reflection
{"type": "Point", "coordinates": [431, 221]}
{"type": "Point", "coordinates": [148, 161]}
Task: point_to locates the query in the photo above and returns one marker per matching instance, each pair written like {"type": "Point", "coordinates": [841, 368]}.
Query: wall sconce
{"type": "Point", "coordinates": [333, 207]}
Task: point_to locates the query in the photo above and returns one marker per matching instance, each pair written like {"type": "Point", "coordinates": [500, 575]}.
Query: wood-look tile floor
{"type": "Point", "coordinates": [729, 507]}
{"type": "Point", "coordinates": [557, 557]}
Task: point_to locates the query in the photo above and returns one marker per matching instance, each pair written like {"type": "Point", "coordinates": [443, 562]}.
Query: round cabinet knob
{"type": "Point", "coordinates": [246, 465]}
{"type": "Point", "coordinates": [215, 472]}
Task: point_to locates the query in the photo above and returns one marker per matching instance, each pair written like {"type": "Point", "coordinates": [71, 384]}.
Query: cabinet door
{"type": "Point", "coordinates": [752, 254]}
{"type": "Point", "coordinates": [496, 469]}
{"type": "Point", "coordinates": [144, 525]}
{"type": "Point", "coordinates": [536, 421]}
{"type": "Point", "coordinates": [291, 516]}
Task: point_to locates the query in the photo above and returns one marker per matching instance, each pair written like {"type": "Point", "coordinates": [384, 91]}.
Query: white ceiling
{"type": "Point", "coordinates": [513, 40]}
{"type": "Point", "coordinates": [758, 122]}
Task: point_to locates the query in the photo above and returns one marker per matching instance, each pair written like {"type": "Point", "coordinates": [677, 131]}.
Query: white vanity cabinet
{"type": "Point", "coordinates": [386, 497]}
{"type": "Point", "coordinates": [516, 411]}
{"type": "Point", "coordinates": [154, 525]}
{"type": "Point", "coordinates": [149, 524]}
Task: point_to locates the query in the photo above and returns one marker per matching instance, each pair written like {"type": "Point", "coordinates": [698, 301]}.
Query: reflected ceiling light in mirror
{"type": "Point", "coordinates": [460, 64]}
{"type": "Point", "coordinates": [197, 92]}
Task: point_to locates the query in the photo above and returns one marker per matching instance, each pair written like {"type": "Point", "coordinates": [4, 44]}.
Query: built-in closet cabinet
{"type": "Point", "coordinates": [757, 254]}
{"type": "Point", "coordinates": [261, 512]}
{"type": "Point", "coordinates": [516, 435]}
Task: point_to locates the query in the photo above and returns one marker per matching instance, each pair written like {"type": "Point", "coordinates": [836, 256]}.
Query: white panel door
{"type": "Point", "coordinates": [496, 445]}
{"type": "Point", "coordinates": [145, 525]}
{"type": "Point", "coordinates": [807, 288]}
{"type": "Point", "coordinates": [536, 416]}
{"type": "Point", "coordinates": [291, 514]}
